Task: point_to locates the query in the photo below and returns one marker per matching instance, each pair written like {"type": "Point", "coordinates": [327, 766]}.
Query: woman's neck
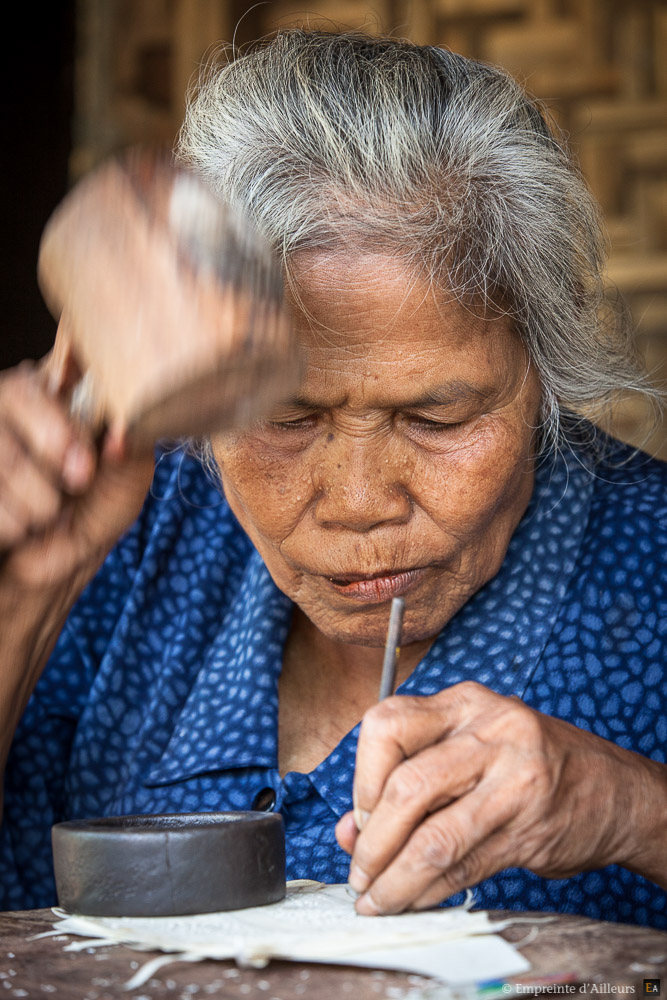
{"type": "Point", "coordinates": [325, 688]}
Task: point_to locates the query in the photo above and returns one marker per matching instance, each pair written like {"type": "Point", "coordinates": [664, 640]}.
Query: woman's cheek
{"type": "Point", "coordinates": [466, 486]}
{"type": "Point", "coordinates": [267, 492]}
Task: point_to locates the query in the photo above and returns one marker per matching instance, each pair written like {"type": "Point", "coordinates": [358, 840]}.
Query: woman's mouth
{"type": "Point", "coordinates": [378, 587]}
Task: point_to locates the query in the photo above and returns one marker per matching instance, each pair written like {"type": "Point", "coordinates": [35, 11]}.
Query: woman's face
{"type": "Point", "coordinates": [405, 464]}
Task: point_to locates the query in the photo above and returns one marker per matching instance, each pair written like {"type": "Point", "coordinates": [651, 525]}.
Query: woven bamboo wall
{"type": "Point", "coordinates": [600, 66]}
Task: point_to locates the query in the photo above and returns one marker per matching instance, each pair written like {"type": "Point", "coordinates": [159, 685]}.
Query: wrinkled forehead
{"type": "Point", "coordinates": [365, 317]}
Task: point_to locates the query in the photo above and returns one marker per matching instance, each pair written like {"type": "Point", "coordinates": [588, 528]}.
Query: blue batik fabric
{"type": "Point", "coordinates": [162, 692]}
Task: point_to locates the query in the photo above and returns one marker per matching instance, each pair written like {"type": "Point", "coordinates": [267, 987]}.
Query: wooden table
{"type": "Point", "coordinates": [592, 952]}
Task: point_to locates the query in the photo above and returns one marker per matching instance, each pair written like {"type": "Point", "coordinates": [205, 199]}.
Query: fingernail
{"type": "Point", "coordinates": [367, 906]}
{"type": "Point", "coordinates": [76, 466]}
{"type": "Point", "coordinates": [361, 818]}
{"type": "Point", "coordinates": [358, 879]}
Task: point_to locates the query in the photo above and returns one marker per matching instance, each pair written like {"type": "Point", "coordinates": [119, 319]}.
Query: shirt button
{"type": "Point", "coordinates": [265, 800]}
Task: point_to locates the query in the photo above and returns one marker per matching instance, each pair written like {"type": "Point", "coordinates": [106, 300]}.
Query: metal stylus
{"type": "Point", "coordinates": [392, 648]}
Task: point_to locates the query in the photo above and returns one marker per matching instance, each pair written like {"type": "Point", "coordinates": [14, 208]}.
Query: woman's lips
{"type": "Point", "coordinates": [375, 589]}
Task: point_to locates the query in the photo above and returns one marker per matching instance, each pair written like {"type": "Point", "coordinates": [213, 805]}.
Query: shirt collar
{"type": "Point", "coordinates": [496, 639]}
{"type": "Point", "coordinates": [236, 689]}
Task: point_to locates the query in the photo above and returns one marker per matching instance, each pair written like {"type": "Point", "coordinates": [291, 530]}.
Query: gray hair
{"type": "Point", "coordinates": [330, 140]}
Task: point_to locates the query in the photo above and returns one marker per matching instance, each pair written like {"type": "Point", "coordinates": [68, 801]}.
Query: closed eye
{"type": "Point", "coordinates": [293, 423]}
{"type": "Point", "coordinates": [432, 426]}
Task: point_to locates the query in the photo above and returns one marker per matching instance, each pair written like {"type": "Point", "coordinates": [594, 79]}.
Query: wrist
{"type": "Point", "coordinates": [645, 849]}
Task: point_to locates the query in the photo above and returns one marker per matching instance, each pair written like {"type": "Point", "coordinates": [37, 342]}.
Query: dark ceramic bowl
{"type": "Point", "coordinates": [158, 866]}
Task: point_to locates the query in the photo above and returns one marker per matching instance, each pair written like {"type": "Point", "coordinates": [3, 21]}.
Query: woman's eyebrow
{"type": "Point", "coordinates": [451, 393]}
{"type": "Point", "coordinates": [448, 394]}
{"type": "Point", "coordinates": [301, 402]}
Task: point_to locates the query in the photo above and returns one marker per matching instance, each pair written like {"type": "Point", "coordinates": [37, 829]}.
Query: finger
{"type": "Point", "coordinates": [482, 862]}
{"type": "Point", "coordinates": [60, 447]}
{"type": "Point", "coordinates": [423, 784]}
{"type": "Point", "coordinates": [439, 843]}
{"type": "Point", "coordinates": [399, 727]}
{"type": "Point", "coordinates": [86, 528]}
{"type": "Point", "coordinates": [12, 528]}
{"type": "Point", "coordinates": [347, 832]}
{"type": "Point", "coordinates": [113, 502]}
{"type": "Point", "coordinates": [30, 496]}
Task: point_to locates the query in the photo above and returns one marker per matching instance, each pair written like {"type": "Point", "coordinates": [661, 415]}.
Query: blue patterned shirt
{"type": "Point", "coordinates": [162, 692]}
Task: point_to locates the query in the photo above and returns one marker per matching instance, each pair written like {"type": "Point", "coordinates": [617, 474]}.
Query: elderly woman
{"type": "Point", "coordinates": [442, 262]}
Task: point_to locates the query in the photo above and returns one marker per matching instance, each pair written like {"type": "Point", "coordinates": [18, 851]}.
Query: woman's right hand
{"type": "Point", "coordinates": [63, 504]}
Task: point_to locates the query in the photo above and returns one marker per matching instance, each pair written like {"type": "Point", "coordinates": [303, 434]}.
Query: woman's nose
{"type": "Point", "coordinates": [362, 484]}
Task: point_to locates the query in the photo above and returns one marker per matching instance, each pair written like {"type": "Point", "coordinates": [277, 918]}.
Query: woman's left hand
{"type": "Point", "coordinates": [451, 788]}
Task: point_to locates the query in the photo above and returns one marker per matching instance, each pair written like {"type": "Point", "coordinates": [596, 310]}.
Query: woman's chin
{"type": "Point", "coordinates": [366, 625]}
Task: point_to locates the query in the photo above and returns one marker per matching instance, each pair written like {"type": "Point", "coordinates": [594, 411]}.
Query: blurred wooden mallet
{"type": "Point", "coordinates": [169, 304]}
